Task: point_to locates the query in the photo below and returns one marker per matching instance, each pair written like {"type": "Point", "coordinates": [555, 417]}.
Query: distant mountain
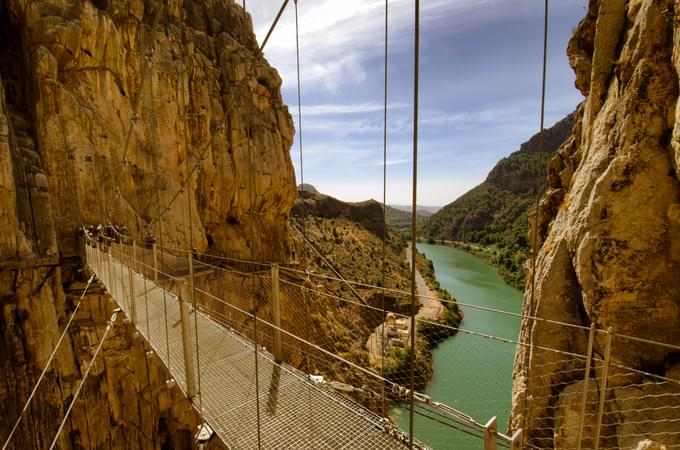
{"type": "Point", "coordinates": [344, 242]}
{"type": "Point", "coordinates": [367, 213]}
{"type": "Point", "coordinates": [348, 242]}
{"type": "Point", "coordinates": [307, 188]}
{"type": "Point", "coordinates": [494, 213]}
{"type": "Point", "coordinates": [420, 209]}
{"type": "Point", "coordinates": [401, 218]}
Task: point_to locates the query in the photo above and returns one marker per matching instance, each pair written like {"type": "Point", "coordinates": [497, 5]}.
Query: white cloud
{"type": "Point", "coordinates": [470, 117]}
{"type": "Point", "coordinates": [347, 108]}
{"type": "Point", "coordinates": [330, 52]}
{"type": "Point", "coordinates": [337, 37]}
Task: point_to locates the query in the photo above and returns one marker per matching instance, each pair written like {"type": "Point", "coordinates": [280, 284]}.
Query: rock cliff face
{"type": "Point", "coordinates": [121, 111]}
{"type": "Point", "coordinates": [119, 100]}
{"type": "Point", "coordinates": [609, 225]}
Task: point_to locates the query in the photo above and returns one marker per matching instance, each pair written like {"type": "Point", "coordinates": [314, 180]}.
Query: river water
{"type": "Point", "coordinates": [471, 373]}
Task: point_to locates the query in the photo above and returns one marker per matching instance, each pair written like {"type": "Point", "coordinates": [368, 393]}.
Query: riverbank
{"type": "Point", "coordinates": [469, 372]}
{"type": "Point", "coordinates": [439, 317]}
{"type": "Point", "coordinates": [430, 309]}
{"type": "Point", "coordinates": [510, 268]}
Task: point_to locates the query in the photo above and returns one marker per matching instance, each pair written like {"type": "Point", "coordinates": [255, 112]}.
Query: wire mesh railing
{"type": "Point", "coordinates": [289, 410]}
{"type": "Point", "coordinates": [575, 396]}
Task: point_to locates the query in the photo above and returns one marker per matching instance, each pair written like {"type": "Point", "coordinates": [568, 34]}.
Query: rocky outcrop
{"type": "Point", "coordinates": [159, 116]}
{"type": "Point", "coordinates": [609, 228]}
{"type": "Point", "coordinates": [140, 108]}
{"type": "Point", "coordinates": [368, 213]}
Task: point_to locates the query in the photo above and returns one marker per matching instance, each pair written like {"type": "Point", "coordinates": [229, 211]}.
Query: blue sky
{"type": "Point", "coordinates": [479, 89]}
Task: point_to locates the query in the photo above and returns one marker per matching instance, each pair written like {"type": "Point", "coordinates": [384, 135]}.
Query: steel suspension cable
{"type": "Point", "coordinates": [47, 365]}
{"type": "Point", "coordinates": [429, 415]}
{"type": "Point", "coordinates": [302, 169]}
{"type": "Point", "coordinates": [145, 267]}
{"type": "Point", "coordinates": [384, 224]}
{"type": "Point", "coordinates": [109, 327]}
{"type": "Point", "coordinates": [165, 299]}
{"type": "Point", "coordinates": [254, 298]}
{"type": "Point", "coordinates": [187, 140]}
{"type": "Point", "coordinates": [412, 355]}
{"type": "Point", "coordinates": [305, 296]}
{"type": "Point", "coordinates": [157, 185]}
{"type": "Point", "coordinates": [541, 144]}
{"type": "Point", "coordinates": [146, 296]}
{"type": "Point", "coordinates": [251, 201]}
{"type": "Point", "coordinates": [276, 21]}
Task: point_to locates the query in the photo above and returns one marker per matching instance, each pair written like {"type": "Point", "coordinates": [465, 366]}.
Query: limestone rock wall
{"type": "Point", "coordinates": [609, 224]}
{"type": "Point", "coordinates": [27, 219]}
{"type": "Point", "coordinates": [124, 98]}
{"type": "Point", "coordinates": [106, 106]}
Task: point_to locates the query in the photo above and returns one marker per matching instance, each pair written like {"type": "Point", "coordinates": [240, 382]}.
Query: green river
{"type": "Point", "coordinates": [471, 373]}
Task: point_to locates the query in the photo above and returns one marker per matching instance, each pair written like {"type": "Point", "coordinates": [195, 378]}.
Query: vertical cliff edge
{"type": "Point", "coordinates": [158, 116]}
{"type": "Point", "coordinates": [609, 232]}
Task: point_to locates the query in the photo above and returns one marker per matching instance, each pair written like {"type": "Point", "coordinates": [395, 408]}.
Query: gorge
{"type": "Point", "coordinates": [163, 120]}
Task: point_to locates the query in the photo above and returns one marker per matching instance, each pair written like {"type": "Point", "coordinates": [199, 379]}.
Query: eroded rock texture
{"type": "Point", "coordinates": [609, 227]}
{"type": "Point", "coordinates": [121, 99]}
{"type": "Point", "coordinates": [105, 107]}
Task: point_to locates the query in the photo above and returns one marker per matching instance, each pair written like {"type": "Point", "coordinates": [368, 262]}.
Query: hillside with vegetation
{"type": "Point", "coordinates": [491, 218]}
{"type": "Point", "coordinates": [400, 217]}
{"type": "Point", "coordinates": [349, 237]}
{"type": "Point", "coordinates": [344, 241]}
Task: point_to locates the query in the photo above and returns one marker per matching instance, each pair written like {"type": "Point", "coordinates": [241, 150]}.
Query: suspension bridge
{"type": "Point", "coordinates": [290, 411]}
{"type": "Point", "coordinates": [238, 358]}
{"type": "Point", "coordinates": [260, 379]}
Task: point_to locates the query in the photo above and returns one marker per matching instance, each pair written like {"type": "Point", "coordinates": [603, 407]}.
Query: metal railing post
{"type": "Point", "coordinates": [603, 387]}
{"type": "Point", "coordinates": [109, 260]}
{"type": "Point", "coordinates": [586, 381]}
{"type": "Point", "coordinates": [100, 261]}
{"type": "Point", "coordinates": [490, 434]}
{"type": "Point", "coordinates": [146, 298]}
{"type": "Point", "coordinates": [155, 264]}
{"type": "Point", "coordinates": [186, 341]}
{"type": "Point", "coordinates": [100, 264]}
{"type": "Point", "coordinates": [276, 312]}
{"type": "Point", "coordinates": [131, 281]}
{"type": "Point", "coordinates": [125, 306]}
{"type": "Point", "coordinates": [103, 266]}
{"type": "Point", "coordinates": [97, 266]}
{"type": "Point", "coordinates": [516, 440]}
{"type": "Point", "coordinates": [192, 290]}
